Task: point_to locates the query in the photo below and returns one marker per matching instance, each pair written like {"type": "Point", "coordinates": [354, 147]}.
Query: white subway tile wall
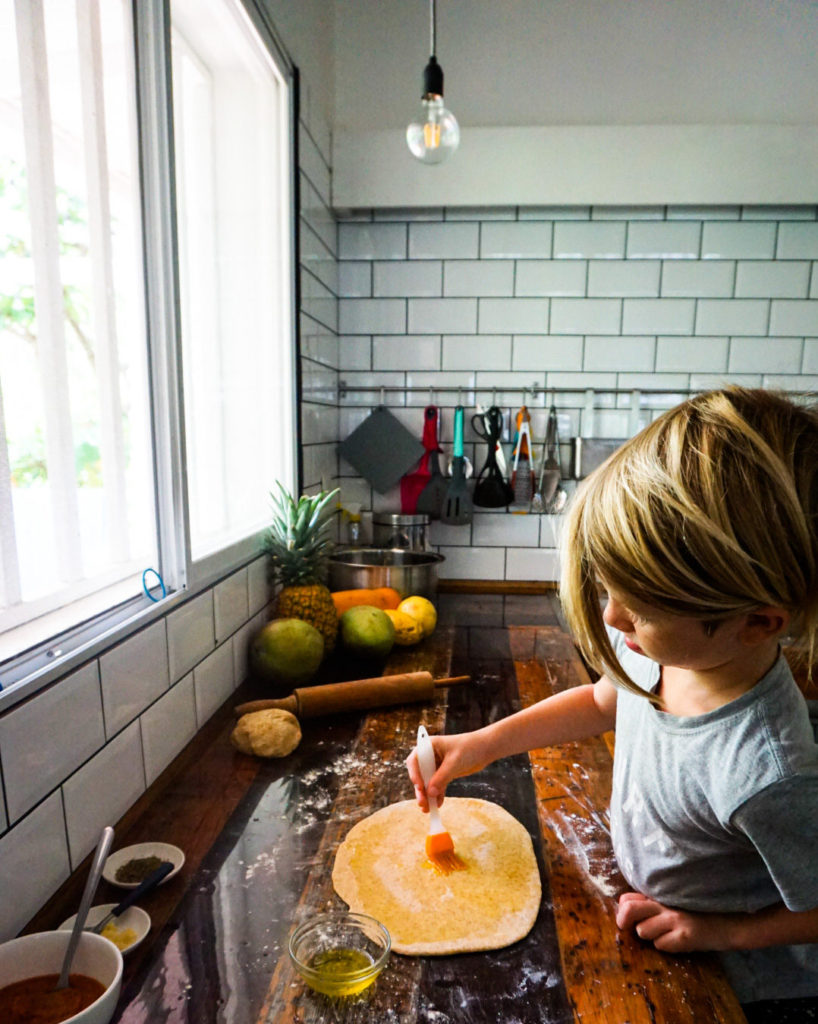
{"type": "Point", "coordinates": [116, 778]}
{"type": "Point", "coordinates": [167, 726]}
{"type": "Point", "coordinates": [48, 737]}
{"type": "Point", "coordinates": [78, 755]}
{"type": "Point", "coordinates": [559, 300]}
{"type": "Point", "coordinates": [191, 634]}
{"type": "Point", "coordinates": [322, 278]}
{"type": "Point", "coordinates": [34, 863]}
{"type": "Point", "coordinates": [133, 675]}
{"type": "Point", "coordinates": [231, 604]}
{"type": "Point", "coordinates": [213, 682]}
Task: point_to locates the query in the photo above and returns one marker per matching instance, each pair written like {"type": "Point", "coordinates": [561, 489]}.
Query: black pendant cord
{"type": "Point", "coordinates": [433, 72]}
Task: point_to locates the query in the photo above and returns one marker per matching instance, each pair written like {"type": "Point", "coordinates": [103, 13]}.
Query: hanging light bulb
{"type": "Point", "coordinates": [437, 135]}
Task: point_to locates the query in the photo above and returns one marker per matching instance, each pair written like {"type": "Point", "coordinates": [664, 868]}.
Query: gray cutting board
{"type": "Point", "coordinates": [381, 449]}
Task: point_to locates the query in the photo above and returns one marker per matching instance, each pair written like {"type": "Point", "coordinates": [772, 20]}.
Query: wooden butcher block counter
{"type": "Point", "coordinates": [260, 839]}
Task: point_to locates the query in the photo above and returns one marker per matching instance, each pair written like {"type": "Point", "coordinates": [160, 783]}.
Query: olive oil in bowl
{"type": "Point", "coordinates": [340, 954]}
{"type": "Point", "coordinates": [342, 972]}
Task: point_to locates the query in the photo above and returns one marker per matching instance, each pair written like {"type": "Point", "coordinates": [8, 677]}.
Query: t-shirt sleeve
{"type": "Point", "coordinates": [782, 823]}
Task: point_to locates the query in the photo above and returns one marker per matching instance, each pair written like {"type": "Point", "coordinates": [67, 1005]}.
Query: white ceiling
{"type": "Point", "coordinates": [567, 101]}
{"type": "Point", "coordinates": [580, 62]}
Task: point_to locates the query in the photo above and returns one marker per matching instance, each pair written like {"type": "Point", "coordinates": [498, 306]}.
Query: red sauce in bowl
{"type": "Point", "coordinates": [38, 1000]}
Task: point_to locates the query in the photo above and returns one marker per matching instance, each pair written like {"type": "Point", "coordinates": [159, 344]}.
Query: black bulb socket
{"type": "Point", "coordinates": [432, 79]}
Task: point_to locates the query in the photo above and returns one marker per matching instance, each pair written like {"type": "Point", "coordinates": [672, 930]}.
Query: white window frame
{"type": "Point", "coordinates": [183, 578]}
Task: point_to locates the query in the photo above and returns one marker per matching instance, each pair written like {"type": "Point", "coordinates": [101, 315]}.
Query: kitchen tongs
{"type": "Point", "coordinates": [522, 475]}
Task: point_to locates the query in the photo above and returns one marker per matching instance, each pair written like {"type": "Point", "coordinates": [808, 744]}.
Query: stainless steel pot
{"type": "Point", "coordinates": [409, 572]}
{"type": "Point", "coordinates": [396, 530]}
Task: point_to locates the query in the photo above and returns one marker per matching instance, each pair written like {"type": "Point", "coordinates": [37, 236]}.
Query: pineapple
{"type": "Point", "coordinates": [298, 545]}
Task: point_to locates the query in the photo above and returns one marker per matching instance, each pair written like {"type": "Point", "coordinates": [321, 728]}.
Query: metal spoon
{"type": "Point", "coordinates": [101, 855]}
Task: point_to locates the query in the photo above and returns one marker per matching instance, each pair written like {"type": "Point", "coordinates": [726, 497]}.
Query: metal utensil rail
{"type": "Point", "coordinates": [535, 390]}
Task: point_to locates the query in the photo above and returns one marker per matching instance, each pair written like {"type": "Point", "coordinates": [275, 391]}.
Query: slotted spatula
{"type": "Point", "coordinates": [457, 506]}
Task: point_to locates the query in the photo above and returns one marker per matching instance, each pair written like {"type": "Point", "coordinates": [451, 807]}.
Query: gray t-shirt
{"type": "Point", "coordinates": [719, 812]}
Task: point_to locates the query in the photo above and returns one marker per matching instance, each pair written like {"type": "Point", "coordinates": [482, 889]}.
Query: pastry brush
{"type": "Point", "coordinates": [439, 844]}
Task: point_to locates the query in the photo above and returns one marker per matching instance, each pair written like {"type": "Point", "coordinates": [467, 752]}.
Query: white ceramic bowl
{"type": "Point", "coordinates": [43, 952]}
{"type": "Point", "coordinates": [164, 851]}
{"type": "Point", "coordinates": [135, 918]}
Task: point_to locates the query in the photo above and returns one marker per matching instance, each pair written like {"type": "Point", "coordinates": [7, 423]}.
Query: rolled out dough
{"type": "Point", "coordinates": [381, 869]}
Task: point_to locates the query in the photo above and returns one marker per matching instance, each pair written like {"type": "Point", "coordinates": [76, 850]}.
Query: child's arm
{"type": "Point", "coordinates": [573, 714]}
{"type": "Point", "coordinates": [677, 931]}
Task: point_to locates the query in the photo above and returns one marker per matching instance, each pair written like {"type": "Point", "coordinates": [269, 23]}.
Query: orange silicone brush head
{"type": "Point", "coordinates": [440, 851]}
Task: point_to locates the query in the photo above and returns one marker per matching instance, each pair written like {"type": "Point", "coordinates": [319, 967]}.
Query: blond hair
{"type": "Point", "coordinates": [708, 512]}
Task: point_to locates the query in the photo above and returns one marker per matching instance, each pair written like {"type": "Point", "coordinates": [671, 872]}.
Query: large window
{"type": "Point", "coordinates": [232, 175]}
{"type": "Point", "coordinates": [98, 397]}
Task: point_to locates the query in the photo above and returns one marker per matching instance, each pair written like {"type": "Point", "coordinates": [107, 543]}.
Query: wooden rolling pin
{"type": "Point", "coordinates": [355, 695]}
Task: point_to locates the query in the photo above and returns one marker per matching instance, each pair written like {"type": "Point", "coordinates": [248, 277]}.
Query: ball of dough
{"type": "Point", "coordinates": [269, 733]}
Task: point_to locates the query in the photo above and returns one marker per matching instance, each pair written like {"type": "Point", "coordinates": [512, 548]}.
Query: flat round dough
{"type": "Point", "coordinates": [381, 869]}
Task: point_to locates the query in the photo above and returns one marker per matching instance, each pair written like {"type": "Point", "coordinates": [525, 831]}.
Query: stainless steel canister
{"type": "Point", "coordinates": [396, 530]}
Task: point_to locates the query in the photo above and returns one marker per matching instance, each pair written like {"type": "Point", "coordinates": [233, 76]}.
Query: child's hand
{"type": "Point", "coordinates": [672, 931]}
{"type": "Point", "coordinates": [455, 756]}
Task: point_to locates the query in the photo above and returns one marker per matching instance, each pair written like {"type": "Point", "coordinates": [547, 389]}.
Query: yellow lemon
{"type": "Point", "coordinates": [408, 631]}
{"type": "Point", "coordinates": [422, 609]}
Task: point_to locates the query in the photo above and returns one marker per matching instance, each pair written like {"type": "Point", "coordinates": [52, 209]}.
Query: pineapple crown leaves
{"type": "Point", "coordinates": [297, 541]}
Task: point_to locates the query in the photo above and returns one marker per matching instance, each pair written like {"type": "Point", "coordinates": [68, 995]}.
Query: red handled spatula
{"type": "Point", "coordinates": [413, 484]}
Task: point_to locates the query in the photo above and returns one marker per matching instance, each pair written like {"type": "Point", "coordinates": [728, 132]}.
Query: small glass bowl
{"type": "Point", "coordinates": [333, 937]}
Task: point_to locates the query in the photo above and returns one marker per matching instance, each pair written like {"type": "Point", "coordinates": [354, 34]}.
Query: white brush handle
{"type": "Point", "coordinates": [427, 765]}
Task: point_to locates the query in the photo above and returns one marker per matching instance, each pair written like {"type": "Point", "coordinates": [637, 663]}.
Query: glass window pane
{"type": "Point", "coordinates": [231, 124]}
{"type": "Point", "coordinates": [76, 485]}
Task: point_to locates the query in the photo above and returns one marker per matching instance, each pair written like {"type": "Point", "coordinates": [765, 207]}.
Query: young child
{"type": "Point", "coordinates": [703, 531]}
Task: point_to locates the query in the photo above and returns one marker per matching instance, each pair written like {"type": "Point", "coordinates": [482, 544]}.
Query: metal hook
{"type": "Point", "coordinates": [383, 395]}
